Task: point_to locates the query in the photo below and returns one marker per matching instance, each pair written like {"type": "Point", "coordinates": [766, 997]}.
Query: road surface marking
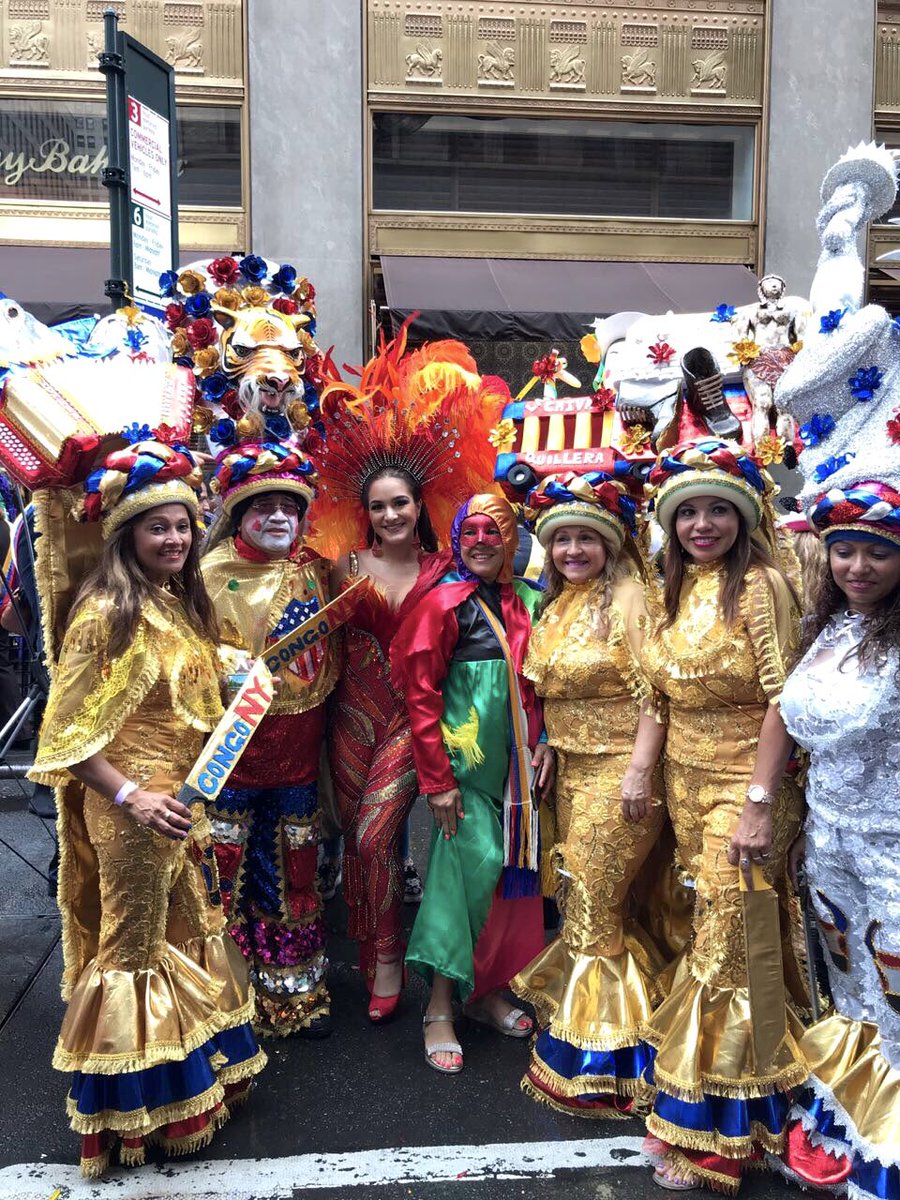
{"type": "Point", "coordinates": [278, 1178]}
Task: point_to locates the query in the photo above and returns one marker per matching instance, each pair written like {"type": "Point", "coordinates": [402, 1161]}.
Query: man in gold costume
{"type": "Point", "coordinates": [263, 581]}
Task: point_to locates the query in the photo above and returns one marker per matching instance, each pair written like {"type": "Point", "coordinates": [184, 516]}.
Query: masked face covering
{"type": "Point", "coordinates": [473, 539]}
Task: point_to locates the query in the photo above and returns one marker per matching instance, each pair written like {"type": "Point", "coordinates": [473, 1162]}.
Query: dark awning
{"type": "Point", "coordinates": [534, 299]}
{"type": "Point", "coordinates": [56, 283]}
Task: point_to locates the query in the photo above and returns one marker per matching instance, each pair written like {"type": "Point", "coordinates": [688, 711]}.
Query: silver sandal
{"type": "Point", "coordinates": [442, 1047]}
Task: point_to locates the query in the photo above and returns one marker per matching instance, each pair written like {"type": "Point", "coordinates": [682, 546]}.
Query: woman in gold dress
{"type": "Point", "coordinates": [591, 994]}
{"type": "Point", "coordinates": [157, 1031]}
{"type": "Point", "coordinates": [717, 659]}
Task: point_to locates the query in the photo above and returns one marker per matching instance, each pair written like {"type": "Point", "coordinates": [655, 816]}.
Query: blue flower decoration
{"type": "Point", "coordinates": [830, 466]}
{"type": "Point", "coordinates": [724, 314]}
{"type": "Point", "coordinates": [214, 386]}
{"type": "Point", "coordinates": [198, 305]}
{"type": "Point", "coordinates": [285, 278]}
{"type": "Point", "coordinates": [310, 396]}
{"type": "Point", "coordinates": [820, 426]}
{"type": "Point", "coordinates": [277, 427]}
{"type": "Point", "coordinates": [184, 360]}
{"type": "Point", "coordinates": [168, 283]}
{"type": "Point", "coordinates": [134, 433]}
{"type": "Point", "coordinates": [310, 327]}
{"type": "Point", "coordinates": [865, 383]}
{"type": "Point", "coordinates": [831, 320]}
{"type": "Point", "coordinates": [253, 268]}
{"type": "Point", "coordinates": [224, 432]}
{"type": "Point", "coordinates": [136, 340]}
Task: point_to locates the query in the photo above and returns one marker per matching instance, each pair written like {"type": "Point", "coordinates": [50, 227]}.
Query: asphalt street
{"type": "Point", "coordinates": [357, 1117]}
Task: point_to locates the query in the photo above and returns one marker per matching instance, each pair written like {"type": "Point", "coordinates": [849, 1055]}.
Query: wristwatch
{"type": "Point", "coordinates": [757, 794]}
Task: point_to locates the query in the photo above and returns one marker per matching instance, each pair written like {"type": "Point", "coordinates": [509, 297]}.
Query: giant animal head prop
{"type": "Point", "coordinates": [246, 328]}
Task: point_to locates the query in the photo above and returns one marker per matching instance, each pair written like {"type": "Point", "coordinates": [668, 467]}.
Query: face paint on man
{"type": "Point", "coordinates": [271, 524]}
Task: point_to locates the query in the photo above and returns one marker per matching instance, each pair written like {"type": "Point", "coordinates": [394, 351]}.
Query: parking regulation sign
{"type": "Point", "coordinates": [150, 193]}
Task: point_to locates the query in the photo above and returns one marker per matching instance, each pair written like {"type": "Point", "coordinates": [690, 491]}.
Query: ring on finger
{"type": "Point", "coordinates": [745, 862]}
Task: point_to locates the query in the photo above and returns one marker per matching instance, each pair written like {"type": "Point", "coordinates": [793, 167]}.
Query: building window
{"type": "Point", "coordinates": [547, 166]}
{"type": "Point", "coordinates": [54, 151]}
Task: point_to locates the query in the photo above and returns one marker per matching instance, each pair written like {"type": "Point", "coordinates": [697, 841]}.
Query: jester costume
{"type": "Point", "coordinates": [266, 821]}
{"type": "Point", "coordinates": [592, 991]}
{"type": "Point", "coordinates": [157, 1031]}
{"type": "Point", "coordinates": [458, 659]}
{"type": "Point", "coordinates": [844, 709]}
{"type": "Point", "coordinates": [403, 417]}
{"type": "Point", "coordinates": [717, 1105]}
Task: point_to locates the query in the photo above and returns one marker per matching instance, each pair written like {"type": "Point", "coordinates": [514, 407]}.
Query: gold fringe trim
{"type": "Point", "coordinates": [140, 1122]}
{"type": "Point", "coordinates": [546, 1009]}
{"type": "Point", "coordinates": [627, 1089]}
{"type": "Point", "coordinates": [132, 1156]}
{"type": "Point", "coordinates": [243, 1070]}
{"type": "Point", "coordinates": [177, 1147]}
{"type": "Point", "coordinates": [464, 739]}
{"type": "Point", "coordinates": [750, 1087]}
{"type": "Point", "coordinates": [716, 1182]}
{"type": "Point", "coordinates": [95, 1168]}
{"type": "Point", "coordinates": [716, 1143]}
{"type": "Point", "coordinates": [592, 1114]}
{"type": "Point", "coordinates": [151, 1056]}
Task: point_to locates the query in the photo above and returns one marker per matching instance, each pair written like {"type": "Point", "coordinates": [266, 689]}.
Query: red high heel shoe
{"type": "Point", "coordinates": [382, 1008]}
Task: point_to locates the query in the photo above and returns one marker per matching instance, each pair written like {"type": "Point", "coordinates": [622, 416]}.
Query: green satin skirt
{"type": "Point", "coordinates": [463, 871]}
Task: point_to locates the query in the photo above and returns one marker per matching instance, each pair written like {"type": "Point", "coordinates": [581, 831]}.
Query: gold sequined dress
{"type": "Point", "coordinates": [715, 1106]}
{"type": "Point", "coordinates": [157, 1031]}
{"type": "Point", "coordinates": [592, 990]}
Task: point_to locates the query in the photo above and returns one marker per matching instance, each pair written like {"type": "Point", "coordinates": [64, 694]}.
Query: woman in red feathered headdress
{"type": "Point", "coordinates": [392, 471]}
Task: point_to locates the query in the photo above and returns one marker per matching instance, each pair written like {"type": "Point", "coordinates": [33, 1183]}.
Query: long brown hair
{"type": "Point", "coordinates": [881, 630]}
{"type": "Point", "coordinates": [613, 570]}
{"type": "Point", "coordinates": [120, 577]}
{"type": "Point", "coordinates": [744, 554]}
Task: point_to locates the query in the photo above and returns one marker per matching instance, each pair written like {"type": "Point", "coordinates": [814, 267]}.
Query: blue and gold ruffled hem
{"type": "Point", "coordinates": [729, 1126]}
{"type": "Point", "coordinates": [588, 1083]}
{"type": "Point", "coordinates": [137, 1103]}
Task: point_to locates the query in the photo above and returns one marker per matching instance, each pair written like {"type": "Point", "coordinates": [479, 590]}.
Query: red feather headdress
{"type": "Point", "coordinates": [427, 412]}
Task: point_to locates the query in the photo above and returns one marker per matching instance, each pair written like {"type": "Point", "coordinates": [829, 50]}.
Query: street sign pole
{"type": "Point", "coordinates": [142, 175]}
{"type": "Point", "coordinates": [115, 176]}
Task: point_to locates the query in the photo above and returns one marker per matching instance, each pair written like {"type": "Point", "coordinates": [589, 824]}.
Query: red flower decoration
{"type": "Point", "coordinates": [660, 353]}
{"type": "Point", "coordinates": [893, 429]}
{"type": "Point", "coordinates": [232, 405]}
{"type": "Point", "coordinates": [202, 333]}
{"type": "Point", "coordinates": [224, 271]}
{"type": "Point", "coordinates": [312, 443]}
{"type": "Point", "coordinates": [174, 316]}
{"type": "Point", "coordinates": [545, 368]}
{"type": "Point", "coordinates": [605, 399]}
{"type": "Point", "coordinates": [166, 434]}
{"type": "Point", "coordinates": [285, 305]}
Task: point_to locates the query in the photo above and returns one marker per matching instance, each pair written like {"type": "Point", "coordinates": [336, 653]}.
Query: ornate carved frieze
{"type": "Point", "coordinates": [61, 38]}
{"type": "Point", "coordinates": [669, 53]}
{"type": "Point", "coordinates": [887, 60]}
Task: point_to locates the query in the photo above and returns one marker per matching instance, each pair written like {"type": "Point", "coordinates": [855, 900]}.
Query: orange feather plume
{"type": "Point", "coordinates": [427, 412]}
